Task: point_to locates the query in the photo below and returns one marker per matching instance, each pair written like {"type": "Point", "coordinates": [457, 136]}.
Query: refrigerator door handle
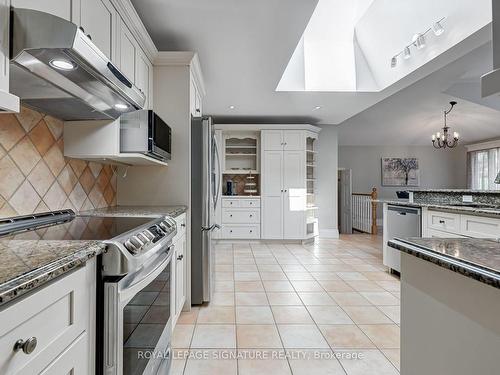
{"type": "Point", "coordinates": [210, 228]}
{"type": "Point", "coordinates": [216, 198]}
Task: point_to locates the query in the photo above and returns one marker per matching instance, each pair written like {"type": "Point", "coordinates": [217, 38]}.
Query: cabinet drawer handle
{"type": "Point", "coordinates": [180, 257]}
{"type": "Point", "coordinates": [27, 346]}
{"type": "Point", "coordinates": [251, 215]}
{"type": "Point", "coordinates": [183, 225]}
{"type": "Point", "coordinates": [230, 231]}
{"type": "Point", "coordinates": [441, 221]}
{"type": "Point", "coordinates": [231, 215]}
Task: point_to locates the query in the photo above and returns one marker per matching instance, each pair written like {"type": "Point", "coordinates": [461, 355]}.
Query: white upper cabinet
{"type": "Point", "coordinates": [288, 140]}
{"type": "Point", "coordinates": [272, 140]}
{"type": "Point", "coordinates": [128, 51]}
{"type": "Point", "coordinates": [294, 140]}
{"type": "Point", "coordinates": [67, 9]}
{"type": "Point", "coordinates": [99, 19]}
{"type": "Point", "coordinates": [195, 97]}
{"type": "Point", "coordinates": [144, 77]}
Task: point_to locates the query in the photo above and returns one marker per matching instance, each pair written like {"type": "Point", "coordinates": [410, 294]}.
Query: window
{"type": "Point", "coordinates": [483, 167]}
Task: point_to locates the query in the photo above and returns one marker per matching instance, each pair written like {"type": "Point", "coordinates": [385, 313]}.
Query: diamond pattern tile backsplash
{"type": "Point", "coordinates": [36, 177]}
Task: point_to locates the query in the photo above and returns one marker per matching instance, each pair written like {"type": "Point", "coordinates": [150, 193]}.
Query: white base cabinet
{"type": "Point", "coordinates": [179, 269]}
{"type": "Point", "coordinates": [456, 225]}
{"type": "Point", "coordinates": [240, 217]}
{"type": "Point", "coordinates": [61, 317]}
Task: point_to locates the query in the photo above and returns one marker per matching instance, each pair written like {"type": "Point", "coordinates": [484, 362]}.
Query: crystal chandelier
{"type": "Point", "coordinates": [441, 140]}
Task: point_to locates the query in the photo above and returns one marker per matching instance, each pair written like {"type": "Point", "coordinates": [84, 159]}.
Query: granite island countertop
{"type": "Point", "coordinates": [480, 211]}
{"type": "Point", "coordinates": [137, 211]}
{"type": "Point", "coordinates": [28, 264]}
{"type": "Point", "coordinates": [476, 258]}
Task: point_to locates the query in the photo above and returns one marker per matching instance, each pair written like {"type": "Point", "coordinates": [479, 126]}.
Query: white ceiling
{"type": "Point", "coordinates": [244, 47]}
{"type": "Point", "coordinates": [416, 112]}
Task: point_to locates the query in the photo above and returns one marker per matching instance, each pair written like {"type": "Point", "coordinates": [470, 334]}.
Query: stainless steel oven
{"type": "Point", "coordinates": [145, 132]}
{"type": "Point", "coordinates": [137, 320]}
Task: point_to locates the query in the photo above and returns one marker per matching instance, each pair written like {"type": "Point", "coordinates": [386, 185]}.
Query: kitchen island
{"type": "Point", "coordinates": [450, 305]}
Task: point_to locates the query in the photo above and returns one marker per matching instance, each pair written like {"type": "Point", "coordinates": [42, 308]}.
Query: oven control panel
{"type": "Point", "coordinates": [140, 241]}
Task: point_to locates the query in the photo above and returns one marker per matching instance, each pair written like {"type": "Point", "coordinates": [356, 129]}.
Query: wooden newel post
{"type": "Point", "coordinates": [374, 211]}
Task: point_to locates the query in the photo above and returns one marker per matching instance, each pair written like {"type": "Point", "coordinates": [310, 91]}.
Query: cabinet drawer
{"type": "Point", "coordinates": [240, 216]}
{"type": "Point", "coordinates": [231, 203]}
{"type": "Point", "coordinates": [249, 203]}
{"type": "Point", "coordinates": [444, 221]}
{"type": "Point", "coordinates": [480, 227]}
{"type": "Point", "coordinates": [55, 315]}
{"type": "Point", "coordinates": [432, 233]}
{"type": "Point", "coordinates": [241, 232]}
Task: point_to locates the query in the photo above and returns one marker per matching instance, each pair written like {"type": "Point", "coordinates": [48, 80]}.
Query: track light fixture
{"type": "Point", "coordinates": [418, 41]}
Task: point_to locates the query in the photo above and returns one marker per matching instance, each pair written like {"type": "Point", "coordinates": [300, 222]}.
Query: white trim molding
{"type": "Point", "coordinates": [182, 58]}
{"type": "Point", "coordinates": [329, 233]}
{"type": "Point", "coordinates": [483, 145]}
{"type": "Point", "coordinates": [257, 127]}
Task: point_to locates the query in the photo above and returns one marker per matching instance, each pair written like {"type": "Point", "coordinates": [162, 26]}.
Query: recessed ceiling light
{"type": "Point", "coordinates": [121, 106]}
{"type": "Point", "coordinates": [317, 107]}
{"type": "Point", "coordinates": [62, 64]}
{"type": "Point", "coordinates": [232, 107]}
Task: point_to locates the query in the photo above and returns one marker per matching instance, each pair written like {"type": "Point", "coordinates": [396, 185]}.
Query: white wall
{"type": "Point", "coordinates": [327, 201]}
{"type": "Point", "coordinates": [438, 168]}
{"type": "Point", "coordinates": [165, 185]}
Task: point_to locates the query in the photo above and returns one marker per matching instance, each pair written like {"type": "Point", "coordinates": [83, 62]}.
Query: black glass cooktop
{"type": "Point", "coordinates": [83, 228]}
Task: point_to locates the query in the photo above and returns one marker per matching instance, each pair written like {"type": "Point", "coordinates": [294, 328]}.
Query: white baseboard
{"type": "Point", "coordinates": [329, 233]}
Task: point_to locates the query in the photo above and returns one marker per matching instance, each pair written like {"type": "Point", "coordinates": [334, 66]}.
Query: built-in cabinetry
{"type": "Point", "coordinates": [179, 268]}
{"type": "Point", "coordinates": [241, 217]}
{"type": "Point", "coordinates": [115, 28]}
{"type": "Point", "coordinates": [285, 183]}
{"type": "Point", "coordinates": [54, 328]}
{"type": "Point", "coordinates": [444, 224]}
{"type": "Point", "coordinates": [100, 141]}
{"type": "Point", "coordinates": [273, 171]}
{"type": "Point", "coordinates": [8, 102]}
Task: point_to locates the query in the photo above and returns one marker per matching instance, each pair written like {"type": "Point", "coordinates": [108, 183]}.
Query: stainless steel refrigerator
{"type": "Point", "coordinates": [205, 192]}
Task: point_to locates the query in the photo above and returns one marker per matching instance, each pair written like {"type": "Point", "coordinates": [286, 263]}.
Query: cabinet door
{"type": "Point", "coordinates": [74, 360]}
{"type": "Point", "coordinates": [98, 18]}
{"type": "Point", "coordinates": [272, 140]}
{"type": "Point", "coordinates": [272, 218]}
{"type": "Point", "coordinates": [272, 191]}
{"type": "Point", "coordinates": [294, 184]}
{"type": "Point", "coordinates": [294, 140]}
{"type": "Point", "coordinates": [143, 70]}
{"type": "Point", "coordinates": [127, 52]}
{"type": "Point", "coordinates": [67, 9]}
{"type": "Point", "coordinates": [180, 282]}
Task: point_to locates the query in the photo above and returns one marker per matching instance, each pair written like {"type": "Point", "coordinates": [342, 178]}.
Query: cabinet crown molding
{"type": "Point", "coordinates": [182, 58]}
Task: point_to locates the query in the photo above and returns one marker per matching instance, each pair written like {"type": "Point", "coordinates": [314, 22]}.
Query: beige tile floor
{"type": "Point", "coordinates": [295, 309]}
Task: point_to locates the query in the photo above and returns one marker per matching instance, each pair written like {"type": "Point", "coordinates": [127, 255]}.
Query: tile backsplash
{"type": "Point", "coordinates": [36, 177]}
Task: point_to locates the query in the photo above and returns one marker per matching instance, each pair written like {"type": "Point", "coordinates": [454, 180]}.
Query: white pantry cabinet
{"type": "Point", "coordinates": [60, 319]}
{"type": "Point", "coordinates": [286, 140]}
{"type": "Point", "coordinates": [283, 185]}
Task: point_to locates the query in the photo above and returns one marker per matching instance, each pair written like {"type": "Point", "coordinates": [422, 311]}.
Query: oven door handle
{"type": "Point", "coordinates": [130, 285]}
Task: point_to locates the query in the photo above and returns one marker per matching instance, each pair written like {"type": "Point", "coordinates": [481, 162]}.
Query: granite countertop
{"type": "Point", "coordinates": [483, 211]}
{"type": "Point", "coordinates": [28, 264]}
{"type": "Point", "coordinates": [465, 191]}
{"type": "Point", "coordinates": [476, 258]}
{"type": "Point", "coordinates": [139, 211]}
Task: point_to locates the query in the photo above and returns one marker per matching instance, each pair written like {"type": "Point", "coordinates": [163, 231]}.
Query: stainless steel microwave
{"type": "Point", "coordinates": [146, 133]}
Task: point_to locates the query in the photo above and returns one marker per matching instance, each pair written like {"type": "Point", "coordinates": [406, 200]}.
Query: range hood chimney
{"type": "Point", "coordinates": [490, 82]}
{"type": "Point", "coordinates": [56, 69]}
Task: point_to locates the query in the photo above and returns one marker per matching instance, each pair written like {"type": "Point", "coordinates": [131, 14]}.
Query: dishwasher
{"type": "Point", "coordinates": [401, 222]}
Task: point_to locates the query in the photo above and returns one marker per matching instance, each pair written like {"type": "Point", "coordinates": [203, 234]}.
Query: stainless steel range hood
{"type": "Point", "coordinates": [56, 69]}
